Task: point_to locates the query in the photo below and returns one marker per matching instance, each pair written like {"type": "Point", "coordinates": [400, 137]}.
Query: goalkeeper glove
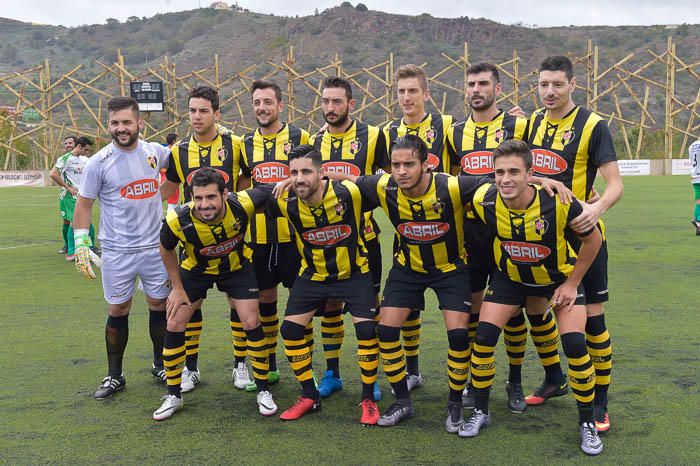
{"type": "Point", "coordinates": [84, 255]}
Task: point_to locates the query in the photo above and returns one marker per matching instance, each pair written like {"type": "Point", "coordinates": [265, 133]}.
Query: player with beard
{"type": "Point", "coordinates": [206, 147]}
{"type": "Point", "coordinates": [124, 176]}
{"type": "Point", "coordinates": [413, 93]}
{"type": "Point", "coordinates": [328, 219]}
{"type": "Point", "coordinates": [471, 143]}
{"type": "Point", "coordinates": [572, 144]}
{"type": "Point", "coordinates": [352, 147]}
{"type": "Point", "coordinates": [211, 230]}
{"type": "Point", "coordinates": [264, 158]}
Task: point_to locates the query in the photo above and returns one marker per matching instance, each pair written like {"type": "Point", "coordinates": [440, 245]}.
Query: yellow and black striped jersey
{"type": "Point", "coordinates": [360, 150]}
{"type": "Point", "coordinates": [570, 150]}
{"type": "Point", "coordinates": [265, 160]}
{"type": "Point", "coordinates": [328, 235]}
{"type": "Point", "coordinates": [188, 156]}
{"type": "Point", "coordinates": [530, 245]}
{"type": "Point", "coordinates": [214, 249]}
{"type": "Point", "coordinates": [432, 130]}
{"type": "Point", "coordinates": [471, 144]}
{"type": "Point", "coordinates": [429, 228]}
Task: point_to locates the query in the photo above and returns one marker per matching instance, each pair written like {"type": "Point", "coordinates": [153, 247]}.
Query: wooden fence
{"type": "Point", "coordinates": [628, 92]}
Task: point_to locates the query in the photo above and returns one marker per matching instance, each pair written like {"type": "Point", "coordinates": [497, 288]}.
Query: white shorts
{"type": "Point", "coordinates": [120, 270]}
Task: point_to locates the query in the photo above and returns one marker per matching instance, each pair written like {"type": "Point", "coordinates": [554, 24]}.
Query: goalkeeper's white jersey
{"type": "Point", "coordinates": [126, 184]}
{"type": "Point", "coordinates": [694, 155]}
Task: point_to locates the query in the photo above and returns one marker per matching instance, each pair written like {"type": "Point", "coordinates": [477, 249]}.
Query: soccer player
{"type": "Point", "coordinates": [471, 143]}
{"type": "Point", "coordinates": [536, 264]}
{"type": "Point", "coordinates": [571, 144]}
{"type": "Point", "coordinates": [124, 177]}
{"type": "Point", "coordinates": [211, 230]}
{"type": "Point", "coordinates": [694, 155]}
{"type": "Point", "coordinates": [206, 147]}
{"type": "Point", "coordinates": [328, 220]}
{"type": "Point", "coordinates": [264, 158]}
{"type": "Point", "coordinates": [68, 145]}
{"type": "Point", "coordinates": [67, 173]}
{"type": "Point", "coordinates": [352, 147]}
{"type": "Point", "coordinates": [413, 93]}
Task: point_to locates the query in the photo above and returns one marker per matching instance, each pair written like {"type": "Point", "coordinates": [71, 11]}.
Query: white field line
{"type": "Point", "coordinates": [27, 245]}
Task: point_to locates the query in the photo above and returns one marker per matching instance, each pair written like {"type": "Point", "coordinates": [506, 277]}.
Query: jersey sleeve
{"type": "Point", "coordinates": [304, 139]}
{"type": "Point", "coordinates": [167, 237]}
{"type": "Point", "coordinates": [60, 164]}
{"type": "Point", "coordinates": [601, 149]}
{"type": "Point", "coordinates": [450, 145]}
{"type": "Point", "coordinates": [91, 184]}
{"type": "Point", "coordinates": [239, 153]}
{"type": "Point", "coordinates": [381, 155]}
{"type": "Point", "coordinates": [368, 189]}
{"type": "Point", "coordinates": [575, 209]}
{"type": "Point", "coordinates": [260, 194]}
{"type": "Point", "coordinates": [477, 202]}
{"type": "Point", "coordinates": [163, 153]}
{"type": "Point", "coordinates": [468, 186]}
{"type": "Point", "coordinates": [171, 173]}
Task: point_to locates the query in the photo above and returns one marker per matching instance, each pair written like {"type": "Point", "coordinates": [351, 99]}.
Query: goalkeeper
{"type": "Point", "coordinates": [124, 177]}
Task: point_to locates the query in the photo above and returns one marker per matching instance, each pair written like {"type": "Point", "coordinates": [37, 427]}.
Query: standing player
{"type": "Point", "coordinates": [211, 231]}
{"type": "Point", "coordinates": [352, 147]}
{"type": "Point", "coordinates": [694, 155]}
{"type": "Point", "coordinates": [124, 177]}
{"type": "Point", "coordinates": [68, 145]}
{"type": "Point", "coordinates": [535, 264]}
{"type": "Point", "coordinates": [328, 219]}
{"type": "Point", "coordinates": [206, 147]}
{"type": "Point", "coordinates": [570, 143]}
{"type": "Point", "coordinates": [264, 158]}
{"type": "Point", "coordinates": [67, 173]}
{"type": "Point", "coordinates": [413, 93]}
{"type": "Point", "coordinates": [471, 143]}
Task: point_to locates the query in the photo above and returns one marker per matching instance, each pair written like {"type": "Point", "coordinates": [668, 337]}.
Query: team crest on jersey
{"type": "Point", "coordinates": [355, 147]}
{"type": "Point", "coordinates": [221, 154]}
{"type": "Point", "coordinates": [438, 207]}
{"type": "Point", "coordinates": [501, 135]}
{"type": "Point", "coordinates": [152, 161]}
{"type": "Point", "coordinates": [287, 148]}
{"type": "Point", "coordinates": [568, 136]}
{"type": "Point", "coordinates": [340, 208]}
{"type": "Point", "coordinates": [430, 136]}
{"type": "Point", "coordinates": [541, 224]}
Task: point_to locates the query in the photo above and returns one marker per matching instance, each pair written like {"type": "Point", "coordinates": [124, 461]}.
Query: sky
{"type": "Point", "coordinates": [528, 12]}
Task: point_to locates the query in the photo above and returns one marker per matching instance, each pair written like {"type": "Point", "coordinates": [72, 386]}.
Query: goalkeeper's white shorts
{"type": "Point", "coordinates": [120, 270]}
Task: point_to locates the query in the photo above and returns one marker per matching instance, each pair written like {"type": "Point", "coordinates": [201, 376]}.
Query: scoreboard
{"type": "Point", "coordinates": [149, 95]}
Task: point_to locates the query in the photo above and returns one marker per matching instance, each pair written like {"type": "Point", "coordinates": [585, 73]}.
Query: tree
{"type": "Point", "coordinates": [112, 21]}
{"type": "Point", "coordinates": [346, 5]}
{"type": "Point", "coordinates": [361, 7]}
{"type": "Point", "coordinates": [131, 19]}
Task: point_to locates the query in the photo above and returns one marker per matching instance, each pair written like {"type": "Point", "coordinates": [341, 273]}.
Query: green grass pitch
{"type": "Point", "coordinates": [53, 359]}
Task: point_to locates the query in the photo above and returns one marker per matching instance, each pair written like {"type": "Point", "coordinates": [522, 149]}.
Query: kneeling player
{"type": "Point", "coordinates": [327, 217]}
{"type": "Point", "coordinates": [535, 264]}
{"type": "Point", "coordinates": [211, 231]}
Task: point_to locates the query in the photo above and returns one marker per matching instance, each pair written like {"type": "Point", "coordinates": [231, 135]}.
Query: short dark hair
{"type": "Point", "coordinates": [558, 63]}
{"type": "Point", "coordinates": [73, 137]}
{"type": "Point", "coordinates": [264, 84]}
{"type": "Point", "coordinates": [121, 103]}
{"type": "Point", "coordinates": [514, 147]}
{"type": "Point", "coordinates": [334, 81]}
{"type": "Point", "coordinates": [206, 176]}
{"type": "Point", "coordinates": [485, 66]}
{"type": "Point", "coordinates": [306, 151]}
{"type": "Point", "coordinates": [205, 92]}
{"type": "Point", "coordinates": [83, 141]}
{"type": "Point", "coordinates": [170, 138]}
{"type": "Point", "coordinates": [412, 143]}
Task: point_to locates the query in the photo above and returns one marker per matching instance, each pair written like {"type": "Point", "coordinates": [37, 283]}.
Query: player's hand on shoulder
{"type": "Point", "coordinates": [517, 112]}
{"type": "Point", "coordinates": [554, 188]}
{"type": "Point", "coordinates": [281, 187]}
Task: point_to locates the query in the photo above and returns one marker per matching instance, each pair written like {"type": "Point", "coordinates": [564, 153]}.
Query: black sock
{"type": "Point", "coordinates": [116, 337]}
{"type": "Point", "coordinates": [156, 328]}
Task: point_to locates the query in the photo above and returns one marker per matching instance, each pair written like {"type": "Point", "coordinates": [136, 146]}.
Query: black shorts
{"type": "Point", "coordinates": [405, 288]}
{"type": "Point", "coordinates": [356, 292]}
{"type": "Point", "coordinates": [276, 263]}
{"type": "Point", "coordinates": [595, 282]}
{"type": "Point", "coordinates": [478, 240]}
{"type": "Point", "coordinates": [503, 290]}
{"type": "Point", "coordinates": [374, 252]}
{"type": "Point", "coordinates": [240, 284]}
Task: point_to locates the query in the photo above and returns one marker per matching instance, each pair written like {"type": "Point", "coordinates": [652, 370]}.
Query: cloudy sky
{"type": "Point", "coordinates": [530, 12]}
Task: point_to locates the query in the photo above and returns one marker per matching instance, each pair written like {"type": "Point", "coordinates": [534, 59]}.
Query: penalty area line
{"type": "Point", "coordinates": [26, 245]}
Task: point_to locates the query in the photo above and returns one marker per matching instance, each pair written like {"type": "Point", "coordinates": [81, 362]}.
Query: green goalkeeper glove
{"type": "Point", "coordinates": [84, 255]}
